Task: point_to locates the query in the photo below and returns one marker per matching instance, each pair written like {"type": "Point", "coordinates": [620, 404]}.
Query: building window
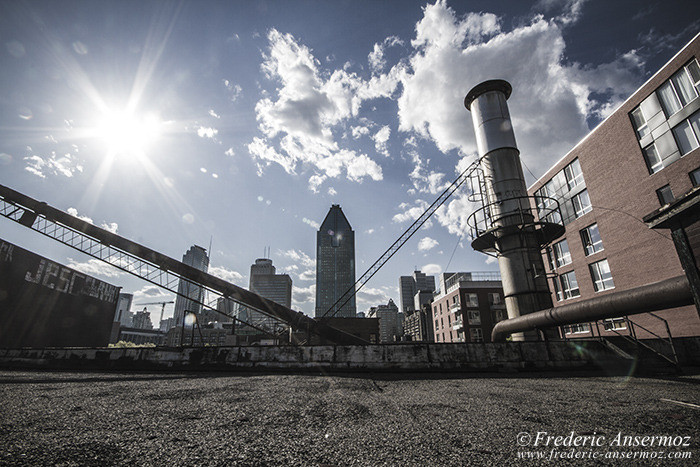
{"type": "Point", "coordinates": [615, 324]}
{"type": "Point", "coordinates": [590, 237]}
{"type": "Point", "coordinates": [437, 337]}
{"type": "Point", "coordinates": [499, 315]}
{"type": "Point", "coordinates": [665, 195]}
{"type": "Point", "coordinates": [476, 335]}
{"type": "Point", "coordinates": [569, 285]}
{"type": "Point", "coordinates": [651, 157]}
{"type": "Point", "coordinates": [472, 299]}
{"type": "Point", "coordinates": [682, 88]}
{"type": "Point", "coordinates": [495, 299]}
{"type": "Point", "coordinates": [574, 176]}
{"type": "Point", "coordinates": [695, 177]}
{"type": "Point", "coordinates": [562, 256]}
{"type": "Point", "coordinates": [687, 133]}
{"type": "Point", "coordinates": [602, 278]}
{"type": "Point", "coordinates": [582, 203]}
{"type": "Point", "coordinates": [474, 317]}
{"type": "Point", "coordinates": [577, 328]}
{"type": "Point", "coordinates": [640, 123]}
{"type": "Point", "coordinates": [557, 289]}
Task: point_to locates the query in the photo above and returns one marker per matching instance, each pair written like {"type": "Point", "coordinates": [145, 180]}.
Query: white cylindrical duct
{"type": "Point", "coordinates": [512, 222]}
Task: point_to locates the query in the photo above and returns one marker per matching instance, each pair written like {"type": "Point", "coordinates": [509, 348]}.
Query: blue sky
{"type": "Point", "coordinates": [242, 122]}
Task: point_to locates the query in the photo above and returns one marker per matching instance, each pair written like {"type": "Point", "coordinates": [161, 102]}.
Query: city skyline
{"type": "Point", "coordinates": [173, 125]}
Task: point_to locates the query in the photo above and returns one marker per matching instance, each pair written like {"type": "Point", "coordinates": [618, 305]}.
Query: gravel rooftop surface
{"type": "Point", "coordinates": [101, 419]}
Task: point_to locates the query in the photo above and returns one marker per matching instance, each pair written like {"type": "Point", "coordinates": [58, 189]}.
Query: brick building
{"type": "Point", "coordinates": [467, 306]}
{"type": "Point", "coordinates": [642, 157]}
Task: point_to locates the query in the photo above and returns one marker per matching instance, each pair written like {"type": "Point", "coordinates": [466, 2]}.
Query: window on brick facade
{"type": "Point", "coordinates": [476, 335]}
{"type": "Point", "coordinates": [601, 275]}
{"type": "Point", "coordinates": [590, 237]}
{"type": "Point", "coordinates": [664, 194]}
{"type": "Point", "coordinates": [577, 328]}
{"type": "Point", "coordinates": [695, 177]}
{"type": "Point", "coordinates": [495, 299]}
{"type": "Point", "coordinates": [562, 256]}
{"type": "Point", "coordinates": [574, 176]}
{"type": "Point", "coordinates": [640, 123]}
{"type": "Point", "coordinates": [680, 89]}
{"type": "Point", "coordinates": [687, 133]}
{"type": "Point", "coordinates": [582, 203]}
{"type": "Point", "coordinates": [651, 157]}
{"type": "Point", "coordinates": [474, 317]}
{"type": "Point", "coordinates": [569, 285]}
{"type": "Point", "coordinates": [472, 299]}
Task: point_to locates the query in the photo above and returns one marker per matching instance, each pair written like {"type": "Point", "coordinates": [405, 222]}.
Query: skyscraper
{"type": "Point", "coordinates": [265, 282]}
{"type": "Point", "coordinates": [409, 286]}
{"type": "Point", "coordinates": [335, 264]}
{"type": "Point", "coordinates": [196, 257]}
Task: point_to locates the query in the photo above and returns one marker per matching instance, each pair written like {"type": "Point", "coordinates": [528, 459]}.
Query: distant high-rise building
{"type": "Point", "coordinates": [335, 265]}
{"type": "Point", "coordinates": [409, 286]}
{"type": "Point", "coordinates": [390, 321]}
{"type": "Point", "coordinates": [142, 320]}
{"type": "Point", "coordinates": [196, 257]}
{"type": "Point", "coordinates": [265, 282]}
{"type": "Point", "coordinates": [124, 315]}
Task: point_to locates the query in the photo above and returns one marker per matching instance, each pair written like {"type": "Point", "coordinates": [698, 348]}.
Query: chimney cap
{"type": "Point", "coordinates": [490, 85]}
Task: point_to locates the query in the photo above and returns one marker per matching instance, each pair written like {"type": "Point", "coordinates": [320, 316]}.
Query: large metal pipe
{"type": "Point", "coordinates": [669, 293]}
{"type": "Point", "coordinates": [518, 250]}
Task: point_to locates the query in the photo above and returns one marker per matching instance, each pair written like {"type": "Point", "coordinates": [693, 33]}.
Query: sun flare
{"type": "Point", "coordinates": [127, 133]}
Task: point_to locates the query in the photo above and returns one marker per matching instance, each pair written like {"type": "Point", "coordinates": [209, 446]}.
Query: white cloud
{"type": "Point", "coordinates": [359, 131]}
{"type": "Point", "coordinates": [373, 296]}
{"type": "Point", "coordinates": [95, 267]}
{"type": "Point", "coordinates": [66, 165]}
{"type": "Point", "coordinates": [380, 140]}
{"type": "Point", "coordinates": [303, 296]}
{"type": "Point", "coordinates": [229, 152]}
{"type": "Point", "coordinates": [213, 114]}
{"type": "Point", "coordinates": [308, 275]}
{"type": "Point", "coordinates": [315, 181]}
{"type": "Point", "coordinates": [234, 90]}
{"type": "Point", "coordinates": [205, 132]}
{"type": "Point", "coordinates": [431, 268]}
{"type": "Point", "coordinates": [410, 213]}
{"type": "Point", "coordinates": [376, 57]}
{"type": "Point", "coordinates": [74, 212]}
{"type": "Point", "coordinates": [110, 227]}
{"type": "Point", "coordinates": [427, 243]}
{"type": "Point", "coordinates": [369, 231]}
{"type": "Point", "coordinates": [551, 99]}
{"type": "Point", "coordinates": [454, 214]}
{"type": "Point", "coordinates": [298, 120]}
{"type": "Point", "coordinates": [226, 274]}
{"type": "Point", "coordinates": [332, 191]}
{"type": "Point", "coordinates": [299, 257]}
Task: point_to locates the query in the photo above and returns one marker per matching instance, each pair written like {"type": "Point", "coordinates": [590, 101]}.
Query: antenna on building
{"type": "Point", "coordinates": [211, 240]}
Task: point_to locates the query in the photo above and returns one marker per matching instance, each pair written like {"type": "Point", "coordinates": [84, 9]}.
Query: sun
{"type": "Point", "coordinates": [127, 133]}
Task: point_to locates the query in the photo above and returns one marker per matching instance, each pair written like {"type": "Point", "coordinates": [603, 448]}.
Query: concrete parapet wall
{"type": "Point", "coordinates": [509, 356]}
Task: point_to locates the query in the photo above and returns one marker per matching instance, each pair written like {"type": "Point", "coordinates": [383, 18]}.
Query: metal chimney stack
{"type": "Point", "coordinates": [507, 225]}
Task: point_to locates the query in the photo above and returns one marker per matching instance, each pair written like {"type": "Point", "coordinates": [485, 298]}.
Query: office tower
{"type": "Point", "coordinates": [124, 315]}
{"type": "Point", "coordinates": [335, 265]}
{"type": "Point", "coordinates": [265, 282]}
{"type": "Point", "coordinates": [409, 286]}
{"type": "Point", "coordinates": [196, 257]}
{"type": "Point", "coordinates": [142, 320]}
{"type": "Point", "coordinates": [390, 321]}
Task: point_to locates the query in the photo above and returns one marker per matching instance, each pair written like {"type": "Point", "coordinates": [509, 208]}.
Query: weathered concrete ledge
{"type": "Point", "coordinates": [414, 357]}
